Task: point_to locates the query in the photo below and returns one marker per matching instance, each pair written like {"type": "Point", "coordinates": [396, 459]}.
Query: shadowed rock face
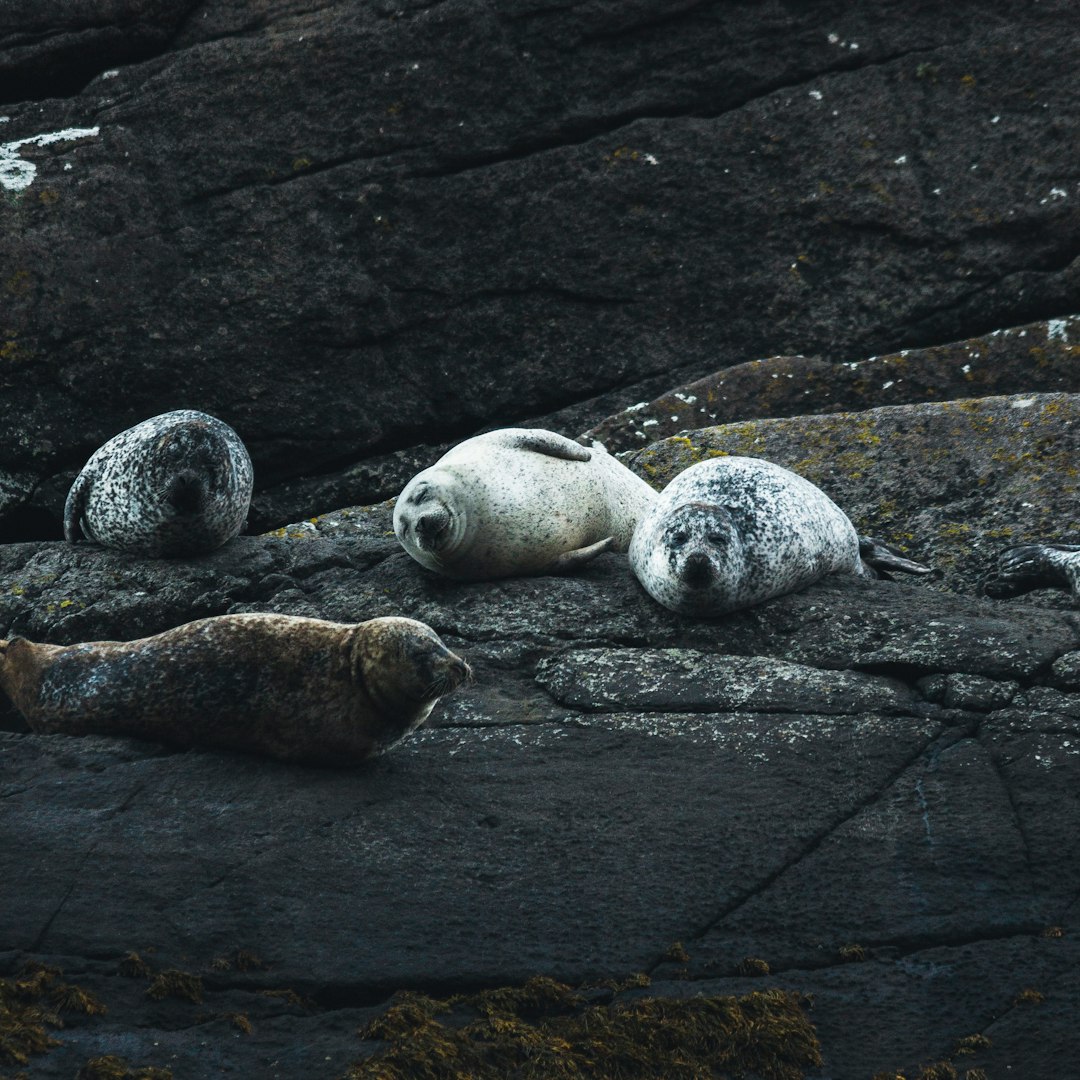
{"type": "Point", "coordinates": [359, 233]}
{"type": "Point", "coordinates": [458, 215]}
{"type": "Point", "coordinates": [866, 770]}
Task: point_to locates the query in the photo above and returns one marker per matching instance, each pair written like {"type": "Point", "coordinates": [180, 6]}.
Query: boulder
{"type": "Point", "coordinates": [456, 216]}
{"type": "Point", "coordinates": [1037, 357]}
{"type": "Point", "coordinates": [860, 792]}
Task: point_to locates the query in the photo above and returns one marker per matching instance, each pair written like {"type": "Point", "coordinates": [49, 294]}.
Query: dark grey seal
{"type": "Point", "coordinates": [176, 484]}
{"type": "Point", "coordinates": [1035, 566]}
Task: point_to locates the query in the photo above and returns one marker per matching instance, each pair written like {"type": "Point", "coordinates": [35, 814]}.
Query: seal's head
{"type": "Point", "coordinates": [190, 462]}
{"type": "Point", "coordinates": [690, 559]}
{"type": "Point", "coordinates": [430, 520]}
{"type": "Point", "coordinates": [404, 667]}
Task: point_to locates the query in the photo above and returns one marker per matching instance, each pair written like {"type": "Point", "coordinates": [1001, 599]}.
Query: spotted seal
{"type": "Point", "coordinates": [176, 484]}
{"type": "Point", "coordinates": [294, 688]}
{"type": "Point", "coordinates": [518, 501]}
{"type": "Point", "coordinates": [731, 532]}
{"type": "Point", "coordinates": [1035, 566]}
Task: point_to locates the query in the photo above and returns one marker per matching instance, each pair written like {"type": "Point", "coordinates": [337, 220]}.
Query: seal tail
{"type": "Point", "coordinates": [885, 560]}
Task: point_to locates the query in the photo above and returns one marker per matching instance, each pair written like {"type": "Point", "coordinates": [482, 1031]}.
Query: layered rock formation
{"type": "Point", "coordinates": [359, 233]}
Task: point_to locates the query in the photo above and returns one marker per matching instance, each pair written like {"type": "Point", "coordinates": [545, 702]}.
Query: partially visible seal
{"type": "Point", "coordinates": [176, 484]}
{"type": "Point", "coordinates": [294, 688]}
{"type": "Point", "coordinates": [518, 501]}
{"type": "Point", "coordinates": [731, 532]}
{"type": "Point", "coordinates": [1035, 566]}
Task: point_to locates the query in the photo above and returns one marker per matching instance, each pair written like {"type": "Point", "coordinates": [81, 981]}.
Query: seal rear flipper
{"type": "Point", "coordinates": [571, 560]}
{"type": "Point", "coordinates": [74, 507]}
{"type": "Point", "coordinates": [1033, 566]}
{"type": "Point", "coordinates": [885, 560]}
{"type": "Point", "coordinates": [551, 444]}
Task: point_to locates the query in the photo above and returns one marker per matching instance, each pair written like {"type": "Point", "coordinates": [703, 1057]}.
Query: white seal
{"type": "Point", "coordinates": [176, 484]}
{"type": "Point", "coordinates": [518, 501]}
{"type": "Point", "coordinates": [731, 532]}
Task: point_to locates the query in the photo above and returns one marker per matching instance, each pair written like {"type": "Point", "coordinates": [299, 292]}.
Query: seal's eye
{"type": "Point", "coordinates": [715, 537]}
{"type": "Point", "coordinates": [419, 495]}
{"type": "Point", "coordinates": [679, 537]}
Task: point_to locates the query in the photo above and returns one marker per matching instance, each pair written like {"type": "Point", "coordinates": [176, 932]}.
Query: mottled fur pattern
{"type": "Point", "coordinates": [176, 484]}
{"type": "Point", "coordinates": [294, 688]}
{"type": "Point", "coordinates": [731, 532]}
{"type": "Point", "coordinates": [518, 501]}
{"type": "Point", "coordinates": [1035, 566]}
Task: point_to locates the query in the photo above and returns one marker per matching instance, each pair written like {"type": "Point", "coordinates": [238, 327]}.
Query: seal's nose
{"type": "Point", "coordinates": [696, 569]}
{"type": "Point", "coordinates": [186, 492]}
{"type": "Point", "coordinates": [430, 526]}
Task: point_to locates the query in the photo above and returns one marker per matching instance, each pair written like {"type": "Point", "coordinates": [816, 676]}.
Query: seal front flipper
{"type": "Point", "coordinates": [571, 560]}
{"type": "Point", "coordinates": [1034, 566]}
{"type": "Point", "coordinates": [550, 443]}
{"type": "Point", "coordinates": [885, 560]}
{"type": "Point", "coordinates": [74, 507]}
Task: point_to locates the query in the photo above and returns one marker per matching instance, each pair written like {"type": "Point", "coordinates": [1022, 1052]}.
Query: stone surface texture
{"type": "Point", "coordinates": [463, 213]}
{"type": "Point", "coordinates": [842, 238]}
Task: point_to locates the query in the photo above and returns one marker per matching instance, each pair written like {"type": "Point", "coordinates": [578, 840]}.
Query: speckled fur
{"type": "Point", "coordinates": [519, 501]}
{"type": "Point", "coordinates": [1036, 566]}
{"type": "Point", "coordinates": [753, 529]}
{"type": "Point", "coordinates": [294, 688]}
{"type": "Point", "coordinates": [126, 496]}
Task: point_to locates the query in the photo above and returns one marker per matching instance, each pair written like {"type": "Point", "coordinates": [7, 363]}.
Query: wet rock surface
{"type": "Point", "coordinates": [359, 233]}
{"type": "Point", "coordinates": [463, 215]}
{"type": "Point", "coordinates": [866, 785]}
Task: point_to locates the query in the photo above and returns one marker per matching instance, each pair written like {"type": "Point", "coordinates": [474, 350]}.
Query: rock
{"type": "Point", "coordinates": [359, 233]}
{"type": "Point", "coordinates": [1037, 357]}
{"type": "Point", "coordinates": [968, 691]}
{"type": "Point", "coordinates": [950, 483]}
{"type": "Point", "coordinates": [455, 216]}
{"type": "Point", "coordinates": [770, 785]}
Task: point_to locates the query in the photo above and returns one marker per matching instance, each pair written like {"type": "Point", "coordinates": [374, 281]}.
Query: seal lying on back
{"type": "Point", "coordinates": [518, 501]}
{"type": "Point", "coordinates": [731, 532]}
{"type": "Point", "coordinates": [1035, 566]}
{"type": "Point", "coordinates": [176, 484]}
{"type": "Point", "coordinates": [297, 689]}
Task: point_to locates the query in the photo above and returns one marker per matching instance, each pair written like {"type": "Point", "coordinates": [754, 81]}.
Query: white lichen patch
{"type": "Point", "coordinates": [17, 174]}
{"type": "Point", "coordinates": [1057, 328]}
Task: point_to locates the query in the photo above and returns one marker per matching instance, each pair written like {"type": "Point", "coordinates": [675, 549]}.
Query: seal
{"type": "Point", "coordinates": [730, 532]}
{"type": "Point", "coordinates": [176, 484]}
{"type": "Point", "coordinates": [298, 689]}
{"type": "Point", "coordinates": [1035, 566]}
{"type": "Point", "coordinates": [519, 501]}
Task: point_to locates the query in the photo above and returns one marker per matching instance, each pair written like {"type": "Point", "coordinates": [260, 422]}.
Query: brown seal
{"type": "Point", "coordinates": [295, 688]}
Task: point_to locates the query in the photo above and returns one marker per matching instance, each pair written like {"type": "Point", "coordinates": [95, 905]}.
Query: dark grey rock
{"type": "Point", "coordinates": [358, 233]}
{"type": "Point", "coordinates": [1036, 357]}
{"type": "Point", "coordinates": [685, 680]}
{"type": "Point", "coordinates": [968, 691]}
{"type": "Point", "coordinates": [448, 216]}
{"type": "Point", "coordinates": [769, 785]}
{"type": "Point", "coordinates": [1065, 672]}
